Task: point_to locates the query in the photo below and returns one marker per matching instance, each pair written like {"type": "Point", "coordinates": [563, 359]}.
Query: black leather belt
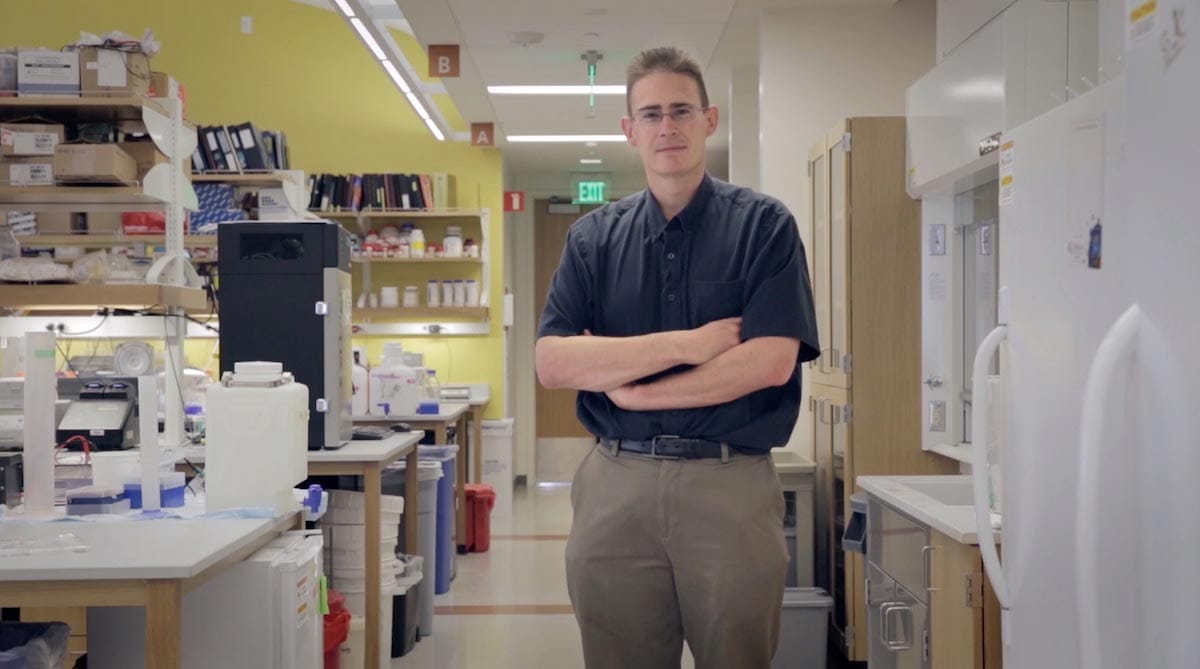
{"type": "Point", "coordinates": [669, 447]}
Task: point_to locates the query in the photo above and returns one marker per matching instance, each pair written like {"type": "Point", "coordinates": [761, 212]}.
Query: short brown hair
{"type": "Point", "coordinates": [663, 59]}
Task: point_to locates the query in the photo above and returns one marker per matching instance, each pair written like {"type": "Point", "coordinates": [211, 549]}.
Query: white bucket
{"type": "Point", "coordinates": [356, 602]}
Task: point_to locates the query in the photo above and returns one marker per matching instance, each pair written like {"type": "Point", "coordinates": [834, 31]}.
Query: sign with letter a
{"type": "Point", "coordinates": [443, 61]}
{"type": "Point", "coordinates": [483, 134]}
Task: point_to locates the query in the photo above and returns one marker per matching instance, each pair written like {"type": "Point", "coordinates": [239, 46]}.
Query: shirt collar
{"type": "Point", "coordinates": [689, 218]}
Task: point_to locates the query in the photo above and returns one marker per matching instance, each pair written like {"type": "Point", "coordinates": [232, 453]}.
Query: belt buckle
{"type": "Point", "coordinates": [654, 446]}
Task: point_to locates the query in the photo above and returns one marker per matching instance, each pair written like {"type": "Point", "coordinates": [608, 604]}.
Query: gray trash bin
{"type": "Point", "coordinates": [804, 629]}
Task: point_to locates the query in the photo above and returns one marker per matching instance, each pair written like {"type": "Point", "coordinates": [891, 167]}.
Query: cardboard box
{"type": "Point", "coordinates": [96, 163]}
{"type": "Point", "coordinates": [30, 139]}
{"type": "Point", "coordinates": [160, 87]}
{"type": "Point", "coordinates": [58, 223]}
{"type": "Point", "coordinates": [273, 205]}
{"type": "Point", "coordinates": [46, 72]}
{"type": "Point", "coordinates": [146, 154]}
{"type": "Point", "coordinates": [27, 171]}
{"type": "Point", "coordinates": [108, 72]}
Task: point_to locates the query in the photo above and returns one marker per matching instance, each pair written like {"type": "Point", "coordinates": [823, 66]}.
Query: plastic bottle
{"type": "Point", "coordinates": [394, 386]}
{"type": "Point", "coordinates": [360, 401]}
{"type": "Point", "coordinates": [453, 243]}
{"type": "Point", "coordinates": [417, 243]}
{"type": "Point", "coordinates": [431, 395]}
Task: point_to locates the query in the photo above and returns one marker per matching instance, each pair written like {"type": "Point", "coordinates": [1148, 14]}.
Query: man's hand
{"type": "Point", "coordinates": [708, 341]}
{"type": "Point", "coordinates": [625, 397]}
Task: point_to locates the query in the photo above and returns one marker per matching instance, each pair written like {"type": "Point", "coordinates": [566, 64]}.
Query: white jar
{"type": "Point", "coordinates": [472, 293]}
{"type": "Point", "coordinates": [411, 297]}
{"type": "Point", "coordinates": [389, 297]}
{"type": "Point", "coordinates": [432, 293]}
{"type": "Point", "coordinates": [460, 293]}
{"type": "Point", "coordinates": [447, 293]}
{"type": "Point", "coordinates": [452, 245]}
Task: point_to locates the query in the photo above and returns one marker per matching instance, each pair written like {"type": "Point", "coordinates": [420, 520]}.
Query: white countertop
{"type": "Point", "coordinates": [153, 549]}
{"type": "Point", "coordinates": [369, 451]}
{"type": "Point", "coordinates": [451, 411]}
{"type": "Point", "coordinates": [790, 463]}
{"type": "Point", "coordinates": [366, 450]}
{"type": "Point", "coordinates": [955, 521]}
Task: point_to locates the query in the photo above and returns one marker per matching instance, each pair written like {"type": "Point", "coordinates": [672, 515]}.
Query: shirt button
{"type": "Point", "coordinates": [670, 256]}
{"type": "Point", "coordinates": [671, 297]}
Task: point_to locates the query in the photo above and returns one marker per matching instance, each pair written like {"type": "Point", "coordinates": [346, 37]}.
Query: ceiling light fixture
{"type": "Point", "coordinates": [566, 138]}
{"type": "Point", "coordinates": [395, 75]}
{"type": "Point", "coordinates": [367, 32]}
{"type": "Point", "coordinates": [368, 38]}
{"type": "Point", "coordinates": [557, 90]}
{"type": "Point", "coordinates": [590, 161]}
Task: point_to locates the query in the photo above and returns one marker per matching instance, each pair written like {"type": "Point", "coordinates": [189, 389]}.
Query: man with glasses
{"type": "Point", "coordinates": [681, 314]}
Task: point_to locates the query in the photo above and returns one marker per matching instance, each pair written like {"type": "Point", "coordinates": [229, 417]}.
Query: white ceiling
{"type": "Point", "coordinates": [616, 28]}
{"type": "Point", "coordinates": [720, 34]}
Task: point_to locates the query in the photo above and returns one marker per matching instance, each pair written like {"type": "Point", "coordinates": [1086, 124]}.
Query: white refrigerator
{"type": "Point", "coordinates": [1100, 370]}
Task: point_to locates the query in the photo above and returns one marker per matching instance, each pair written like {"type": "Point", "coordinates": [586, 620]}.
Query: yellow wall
{"type": "Point", "coordinates": [304, 71]}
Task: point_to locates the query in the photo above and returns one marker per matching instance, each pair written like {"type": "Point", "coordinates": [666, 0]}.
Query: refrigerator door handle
{"type": "Point", "coordinates": [1118, 344]}
{"type": "Point", "coordinates": [979, 467]}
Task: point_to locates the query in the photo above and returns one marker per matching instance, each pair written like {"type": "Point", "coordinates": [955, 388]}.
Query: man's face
{"type": "Point", "coordinates": [668, 126]}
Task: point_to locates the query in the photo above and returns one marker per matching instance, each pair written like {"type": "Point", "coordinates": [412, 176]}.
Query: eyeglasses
{"type": "Point", "coordinates": [680, 115]}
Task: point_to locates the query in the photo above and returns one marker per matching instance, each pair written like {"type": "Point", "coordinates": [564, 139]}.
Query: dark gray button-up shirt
{"type": "Point", "coordinates": [627, 271]}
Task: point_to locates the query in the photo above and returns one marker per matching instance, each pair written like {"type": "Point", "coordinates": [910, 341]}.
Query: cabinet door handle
{"type": "Point", "coordinates": [902, 611]}
{"type": "Point", "coordinates": [927, 569]}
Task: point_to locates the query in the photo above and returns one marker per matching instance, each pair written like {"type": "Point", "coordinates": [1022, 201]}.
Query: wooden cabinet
{"type": "Point", "coordinates": [865, 252]}
{"type": "Point", "coordinates": [964, 626]}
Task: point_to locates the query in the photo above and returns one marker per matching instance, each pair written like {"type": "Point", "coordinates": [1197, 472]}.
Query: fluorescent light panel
{"type": "Point", "coordinates": [437, 132]}
{"type": "Point", "coordinates": [392, 70]}
{"type": "Point", "coordinates": [590, 161]}
{"type": "Point", "coordinates": [566, 138]}
{"type": "Point", "coordinates": [556, 90]}
{"type": "Point", "coordinates": [396, 77]}
{"type": "Point", "coordinates": [416, 103]}
{"type": "Point", "coordinates": [368, 38]}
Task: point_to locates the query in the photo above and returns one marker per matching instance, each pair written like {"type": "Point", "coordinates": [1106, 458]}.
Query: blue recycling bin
{"type": "Point", "coordinates": [444, 569]}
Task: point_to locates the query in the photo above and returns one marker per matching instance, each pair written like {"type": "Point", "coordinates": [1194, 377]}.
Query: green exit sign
{"type": "Point", "coordinates": [591, 192]}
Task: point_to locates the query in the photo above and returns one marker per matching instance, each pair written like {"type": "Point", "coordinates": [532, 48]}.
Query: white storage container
{"type": "Point", "coordinates": [498, 466]}
{"type": "Point", "coordinates": [257, 438]}
{"type": "Point", "coordinates": [803, 631]}
{"type": "Point", "coordinates": [395, 387]}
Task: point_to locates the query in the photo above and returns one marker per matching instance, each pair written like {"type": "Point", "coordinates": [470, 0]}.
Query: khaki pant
{"type": "Point", "coordinates": [666, 550]}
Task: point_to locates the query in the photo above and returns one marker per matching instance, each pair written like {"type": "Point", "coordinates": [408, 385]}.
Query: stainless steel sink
{"type": "Point", "coordinates": [951, 493]}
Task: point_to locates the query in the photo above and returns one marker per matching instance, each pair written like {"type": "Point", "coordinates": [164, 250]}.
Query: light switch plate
{"type": "Point", "coordinates": [937, 416]}
{"type": "Point", "coordinates": [937, 239]}
{"type": "Point", "coordinates": [247, 25]}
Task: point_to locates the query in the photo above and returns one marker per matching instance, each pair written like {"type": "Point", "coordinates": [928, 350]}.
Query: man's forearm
{"type": "Point", "coordinates": [599, 364]}
{"type": "Point", "coordinates": [751, 366]}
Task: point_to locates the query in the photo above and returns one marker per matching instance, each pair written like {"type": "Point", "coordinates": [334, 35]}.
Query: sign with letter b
{"type": "Point", "coordinates": [444, 60]}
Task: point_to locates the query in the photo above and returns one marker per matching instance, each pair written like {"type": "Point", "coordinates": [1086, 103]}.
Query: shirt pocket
{"type": "Point", "coordinates": [714, 300]}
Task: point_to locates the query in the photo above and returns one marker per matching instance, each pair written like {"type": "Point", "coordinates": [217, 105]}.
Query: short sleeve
{"type": "Point", "coordinates": [568, 309]}
{"type": "Point", "coordinates": [779, 301]}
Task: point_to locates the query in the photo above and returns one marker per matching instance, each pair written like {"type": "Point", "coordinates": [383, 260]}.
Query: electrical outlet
{"type": "Point", "coordinates": [937, 416]}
